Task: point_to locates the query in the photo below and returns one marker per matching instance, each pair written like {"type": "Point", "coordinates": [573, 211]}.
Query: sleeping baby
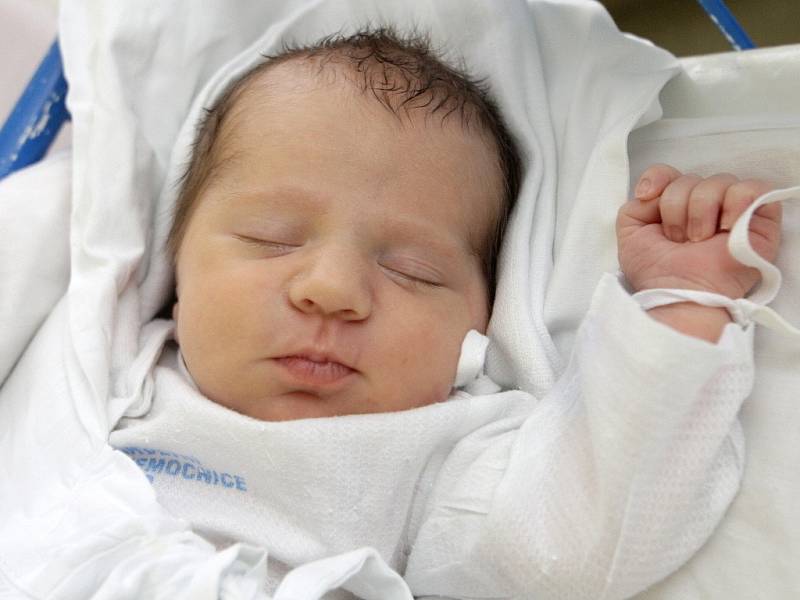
{"type": "Point", "coordinates": [335, 245]}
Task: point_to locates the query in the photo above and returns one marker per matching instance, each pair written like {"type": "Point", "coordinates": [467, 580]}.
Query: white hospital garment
{"type": "Point", "coordinates": [306, 489]}
{"type": "Point", "coordinates": [602, 488]}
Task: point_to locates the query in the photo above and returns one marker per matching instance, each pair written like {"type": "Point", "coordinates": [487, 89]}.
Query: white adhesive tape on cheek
{"type": "Point", "coordinates": [472, 358]}
{"type": "Point", "coordinates": [739, 246]}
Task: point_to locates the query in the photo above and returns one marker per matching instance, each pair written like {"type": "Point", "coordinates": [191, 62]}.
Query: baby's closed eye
{"type": "Point", "coordinates": [412, 270]}
{"type": "Point", "coordinates": [272, 247]}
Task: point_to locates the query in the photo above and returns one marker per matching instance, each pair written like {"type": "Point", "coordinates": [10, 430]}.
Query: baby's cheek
{"type": "Point", "coordinates": [440, 352]}
{"type": "Point", "coordinates": [439, 394]}
{"type": "Point", "coordinates": [209, 317]}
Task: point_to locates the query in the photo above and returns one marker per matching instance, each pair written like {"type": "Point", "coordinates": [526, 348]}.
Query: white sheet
{"type": "Point", "coordinates": [561, 243]}
{"type": "Point", "coordinates": [34, 269]}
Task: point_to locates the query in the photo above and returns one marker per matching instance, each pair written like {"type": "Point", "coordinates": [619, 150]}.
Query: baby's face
{"type": "Point", "coordinates": [329, 267]}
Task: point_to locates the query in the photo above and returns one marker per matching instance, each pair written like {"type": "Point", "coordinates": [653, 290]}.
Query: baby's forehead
{"type": "Point", "coordinates": [295, 75]}
{"type": "Point", "coordinates": [271, 89]}
{"type": "Point", "coordinates": [313, 84]}
{"type": "Point", "coordinates": [402, 93]}
{"type": "Point", "coordinates": [308, 82]}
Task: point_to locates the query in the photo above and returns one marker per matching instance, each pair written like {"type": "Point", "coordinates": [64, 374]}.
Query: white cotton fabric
{"type": "Point", "coordinates": [569, 501]}
{"type": "Point", "coordinates": [470, 371]}
{"type": "Point", "coordinates": [34, 269]}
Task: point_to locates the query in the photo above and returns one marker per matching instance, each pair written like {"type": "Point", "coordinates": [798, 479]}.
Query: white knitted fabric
{"type": "Point", "coordinates": [306, 489]}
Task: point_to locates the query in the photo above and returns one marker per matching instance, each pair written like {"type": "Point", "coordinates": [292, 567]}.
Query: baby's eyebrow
{"type": "Point", "coordinates": [289, 195]}
{"type": "Point", "coordinates": [408, 230]}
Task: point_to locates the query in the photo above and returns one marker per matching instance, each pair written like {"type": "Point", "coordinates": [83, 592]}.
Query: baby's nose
{"type": "Point", "coordinates": [334, 284]}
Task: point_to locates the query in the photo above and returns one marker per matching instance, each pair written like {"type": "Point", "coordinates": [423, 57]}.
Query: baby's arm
{"type": "Point", "coordinates": [674, 234]}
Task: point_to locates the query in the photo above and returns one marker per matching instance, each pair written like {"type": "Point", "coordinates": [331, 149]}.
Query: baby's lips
{"type": "Point", "coordinates": [316, 355]}
{"type": "Point", "coordinates": [322, 372]}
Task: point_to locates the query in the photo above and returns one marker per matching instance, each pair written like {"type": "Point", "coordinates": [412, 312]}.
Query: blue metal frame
{"type": "Point", "coordinates": [37, 117]}
{"type": "Point", "coordinates": [727, 23]}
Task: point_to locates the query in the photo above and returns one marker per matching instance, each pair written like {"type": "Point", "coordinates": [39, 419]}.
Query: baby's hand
{"type": "Point", "coordinates": [674, 234]}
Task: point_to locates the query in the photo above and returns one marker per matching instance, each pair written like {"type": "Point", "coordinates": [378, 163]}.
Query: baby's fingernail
{"type": "Point", "coordinates": [643, 188]}
{"type": "Point", "coordinates": [695, 231]}
{"type": "Point", "coordinates": [676, 234]}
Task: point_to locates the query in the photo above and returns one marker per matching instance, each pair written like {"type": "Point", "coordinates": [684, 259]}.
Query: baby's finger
{"type": "Point", "coordinates": [741, 195]}
{"type": "Point", "coordinates": [674, 206]}
{"type": "Point", "coordinates": [705, 203]}
{"type": "Point", "coordinates": [653, 181]}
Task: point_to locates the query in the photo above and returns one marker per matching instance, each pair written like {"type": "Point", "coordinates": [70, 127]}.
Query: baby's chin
{"type": "Point", "coordinates": [297, 405]}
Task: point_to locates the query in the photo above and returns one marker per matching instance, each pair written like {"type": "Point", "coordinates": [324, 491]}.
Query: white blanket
{"type": "Point", "coordinates": [134, 73]}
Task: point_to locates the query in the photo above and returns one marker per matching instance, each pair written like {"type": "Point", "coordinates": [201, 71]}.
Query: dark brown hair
{"type": "Point", "coordinates": [404, 74]}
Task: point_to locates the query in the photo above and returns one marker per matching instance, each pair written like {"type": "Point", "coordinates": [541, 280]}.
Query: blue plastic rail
{"type": "Point", "coordinates": [727, 23]}
{"type": "Point", "coordinates": [37, 117]}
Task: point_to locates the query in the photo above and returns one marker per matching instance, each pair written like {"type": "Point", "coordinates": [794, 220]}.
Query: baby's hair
{"type": "Point", "coordinates": [404, 74]}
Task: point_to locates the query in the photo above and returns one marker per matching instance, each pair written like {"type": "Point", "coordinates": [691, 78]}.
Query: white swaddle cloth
{"type": "Point", "coordinates": [85, 520]}
{"type": "Point", "coordinates": [304, 489]}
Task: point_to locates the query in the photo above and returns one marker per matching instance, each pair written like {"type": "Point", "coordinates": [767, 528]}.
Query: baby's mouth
{"type": "Point", "coordinates": [315, 370]}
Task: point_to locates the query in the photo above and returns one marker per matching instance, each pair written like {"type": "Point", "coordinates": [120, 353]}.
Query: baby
{"type": "Point", "coordinates": [335, 239]}
{"type": "Point", "coordinates": [337, 231]}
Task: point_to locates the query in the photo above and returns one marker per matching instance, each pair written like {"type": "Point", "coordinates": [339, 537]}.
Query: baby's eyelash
{"type": "Point", "coordinates": [416, 281]}
{"type": "Point", "coordinates": [264, 243]}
